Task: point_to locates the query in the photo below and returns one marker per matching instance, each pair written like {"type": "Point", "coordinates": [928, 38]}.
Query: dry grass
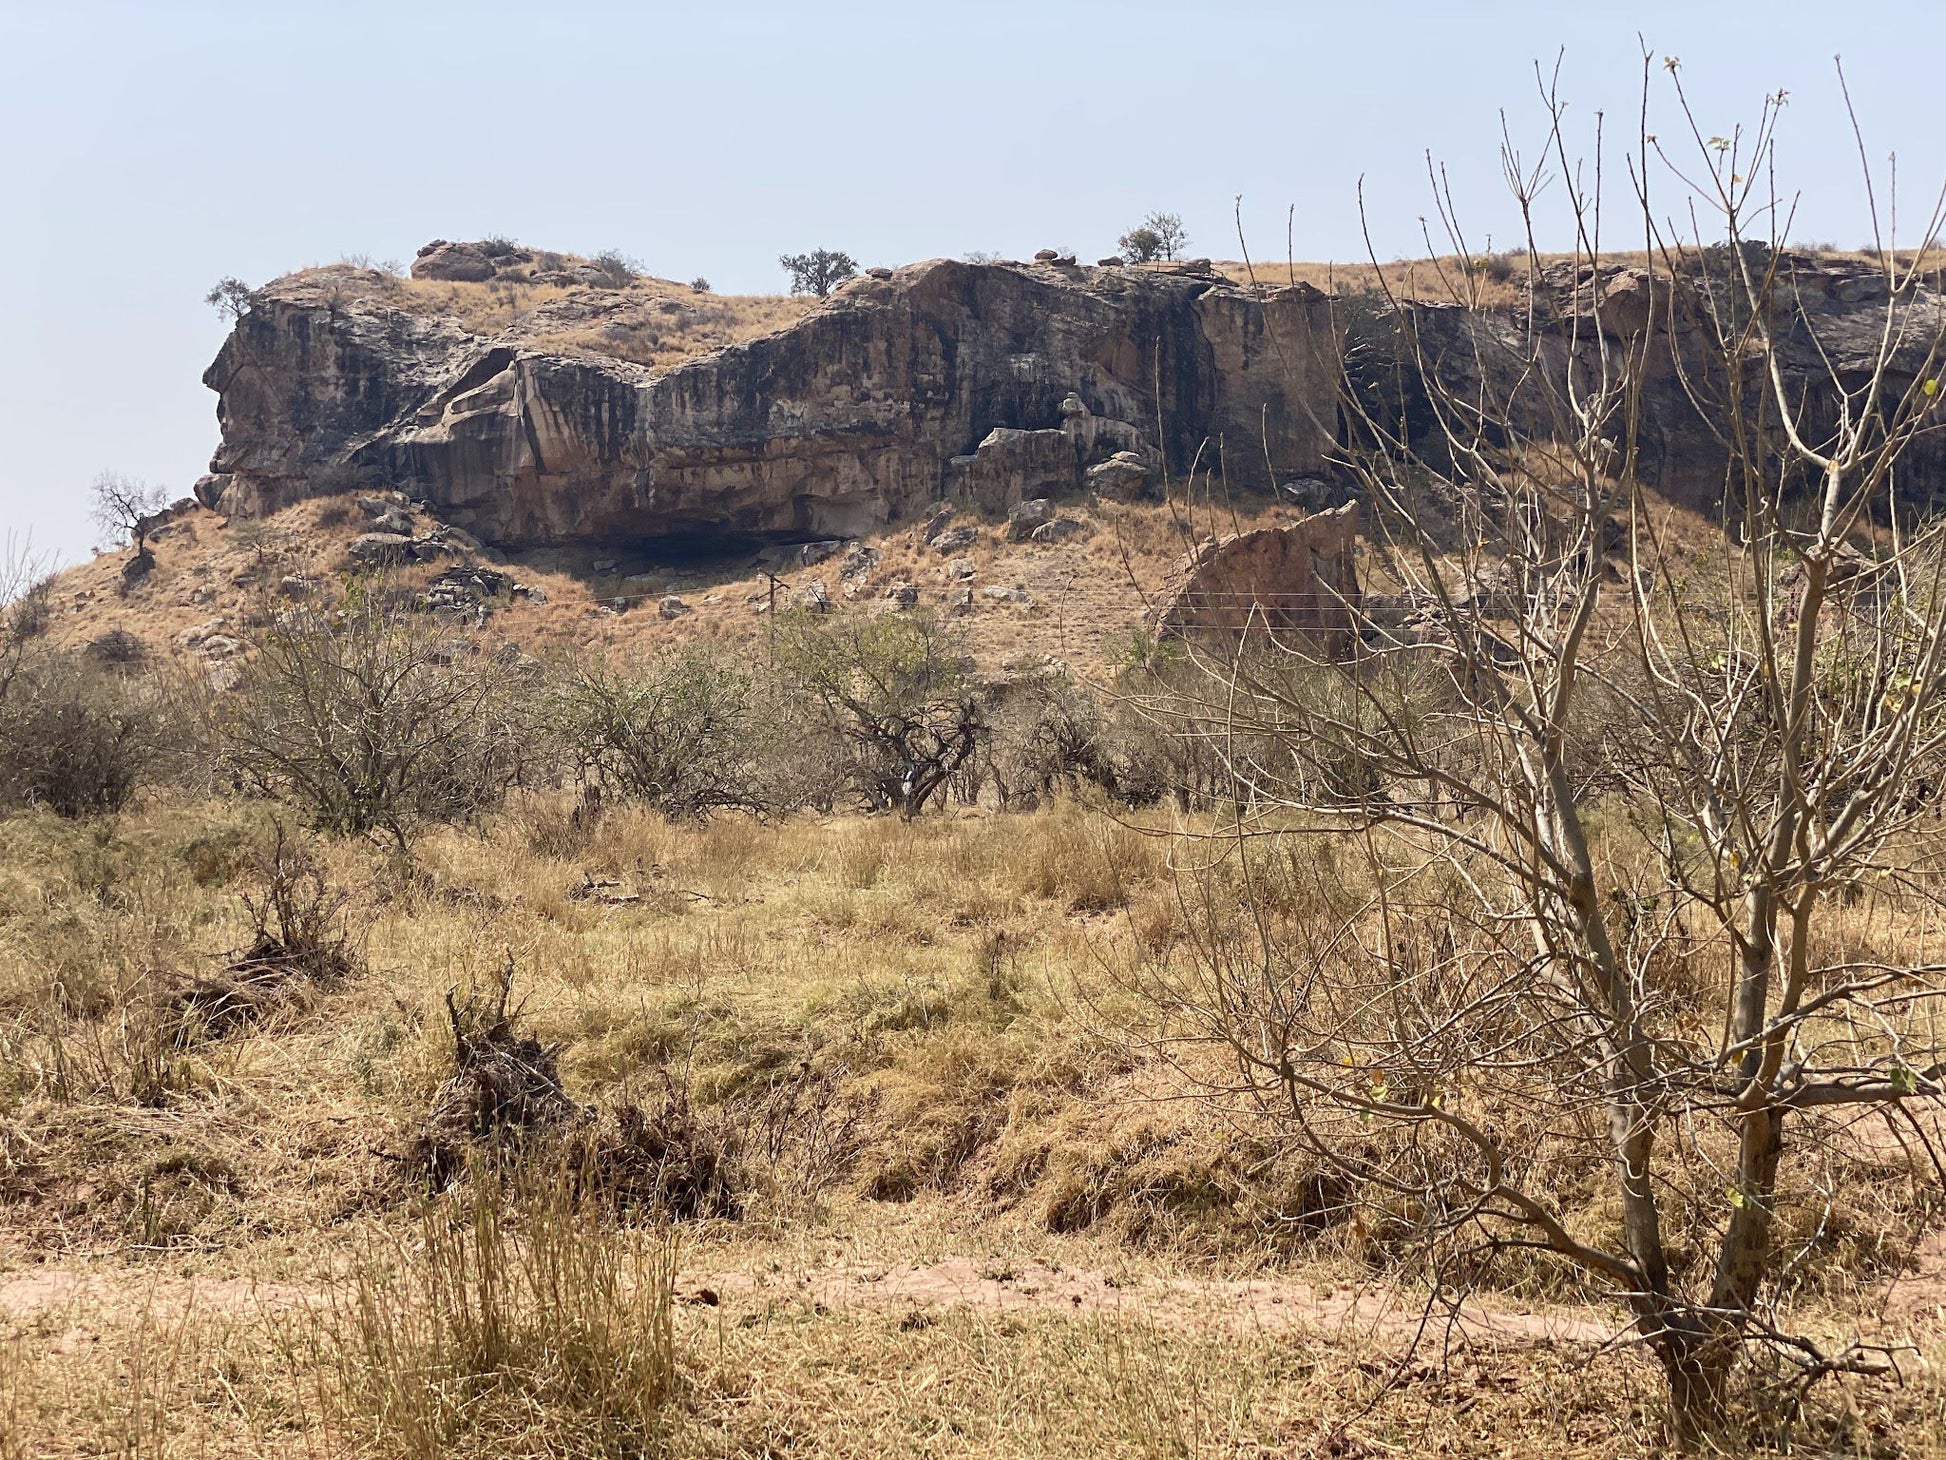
{"type": "Point", "coordinates": [652, 322]}
{"type": "Point", "coordinates": [914, 1035]}
{"type": "Point", "coordinates": [1083, 598]}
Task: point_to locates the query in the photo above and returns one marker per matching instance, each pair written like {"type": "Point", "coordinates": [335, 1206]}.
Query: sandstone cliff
{"type": "Point", "coordinates": [942, 379]}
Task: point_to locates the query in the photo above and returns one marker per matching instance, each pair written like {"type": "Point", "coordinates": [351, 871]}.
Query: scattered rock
{"type": "Point", "coordinates": [137, 569]}
{"type": "Point", "coordinates": [1027, 516]}
{"type": "Point", "coordinates": [961, 602]}
{"type": "Point", "coordinates": [604, 565]}
{"type": "Point", "coordinates": [813, 597]}
{"type": "Point", "coordinates": [1046, 255]}
{"type": "Point", "coordinates": [1124, 476]}
{"type": "Point", "coordinates": [377, 506]}
{"type": "Point", "coordinates": [1113, 261]}
{"type": "Point", "coordinates": [673, 607]}
{"type": "Point", "coordinates": [296, 587]}
{"type": "Point", "coordinates": [380, 548]}
{"type": "Point", "coordinates": [1004, 593]}
{"type": "Point", "coordinates": [960, 569]}
{"type": "Point", "coordinates": [903, 596]}
{"type": "Point", "coordinates": [935, 523]}
{"type": "Point", "coordinates": [858, 561]}
{"type": "Point", "coordinates": [955, 540]}
{"type": "Point", "coordinates": [190, 638]}
{"type": "Point", "coordinates": [1059, 530]}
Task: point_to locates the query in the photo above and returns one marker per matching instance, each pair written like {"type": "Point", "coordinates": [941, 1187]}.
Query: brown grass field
{"type": "Point", "coordinates": [974, 1217]}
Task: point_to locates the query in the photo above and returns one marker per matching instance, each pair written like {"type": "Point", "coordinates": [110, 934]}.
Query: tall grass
{"type": "Point", "coordinates": [509, 1320]}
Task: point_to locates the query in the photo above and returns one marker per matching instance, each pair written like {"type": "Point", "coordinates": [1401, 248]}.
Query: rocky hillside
{"type": "Point", "coordinates": [539, 424]}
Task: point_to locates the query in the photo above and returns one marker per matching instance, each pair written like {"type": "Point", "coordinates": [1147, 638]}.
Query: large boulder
{"type": "Point", "coordinates": [848, 419]}
{"type": "Point", "coordinates": [1301, 577]}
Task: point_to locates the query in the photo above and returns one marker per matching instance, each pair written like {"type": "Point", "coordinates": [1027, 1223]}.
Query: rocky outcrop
{"type": "Point", "coordinates": [981, 382]}
{"type": "Point", "coordinates": [1298, 578]}
{"type": "Point", "coordinates": [1829, 322]}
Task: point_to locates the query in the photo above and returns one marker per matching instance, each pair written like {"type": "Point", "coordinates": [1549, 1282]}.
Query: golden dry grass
{"type": "Point", "coordinates": [1084, 597]}
{"type": "Point", "coordinates": [654, 322]}
{"type": "Point", "coordinates": [177, 1268]}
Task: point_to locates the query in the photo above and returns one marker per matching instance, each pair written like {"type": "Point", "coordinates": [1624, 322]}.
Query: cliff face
{"type": "Point", "coordinates": [1829, 319]}
{"type": "Point", "coordinates": [861, 412]}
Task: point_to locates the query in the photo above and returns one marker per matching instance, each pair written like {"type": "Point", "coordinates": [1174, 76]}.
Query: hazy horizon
{"type": "Point", "coordinates": [148, 152]}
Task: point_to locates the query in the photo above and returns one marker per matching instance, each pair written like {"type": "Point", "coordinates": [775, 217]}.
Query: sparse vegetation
{"type": "Point", "coordinates": [122, 508]}
{"type": "Point", "coordinates": [438, 1022]}
{"type": "Point", "coordinates": [819, 271]}
{"type": "Point", "coordinates": [231, 298]}
{"type": "Point", "coordinates": [1157, 237]}
{"type": "Point", "coordinates": [370, 723]}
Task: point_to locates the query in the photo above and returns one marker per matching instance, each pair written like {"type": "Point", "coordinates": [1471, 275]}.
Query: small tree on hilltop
{"type": "Point", "coordinates": [1158, 236]}
{"type": "Point", "coordinates": [232, 298]}
{"type": "Point", "coordinates": [122, 507]}
{"type": "Point", "coordinates": [819, 271]}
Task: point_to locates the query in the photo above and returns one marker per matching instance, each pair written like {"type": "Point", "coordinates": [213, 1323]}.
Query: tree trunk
{"type": "Point", "coordinates": [1696, 1363]}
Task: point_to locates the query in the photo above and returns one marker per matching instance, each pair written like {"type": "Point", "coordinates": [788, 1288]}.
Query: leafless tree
{"type": "Point", "coordinates": [1632, 898]}
{"type": "Point", "coordinates": [122, 508]}
{"type": "Point", "coordinates": [371, 723]}
{"type": "Point", "coordinates": [678, 734]}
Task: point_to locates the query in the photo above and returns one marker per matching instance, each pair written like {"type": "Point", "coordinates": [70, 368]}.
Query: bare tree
{"type": "Point", "coordinates": [122, 507]}
{"type": "Point", "coordinates": [370, 723]}
{"type": "Point", "coordinates": [1623, 790]}
{"type": "Point", "coordinates": [677, 735]}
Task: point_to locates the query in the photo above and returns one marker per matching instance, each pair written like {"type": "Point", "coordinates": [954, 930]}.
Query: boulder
{"type": "Point", "coordinates": [935, 524]}
{"type": "Point", "coordinates": [1299, 578]}
{"type": "Point", "coordinates": [1026, 517]}
{"type": "Point", "coordinates": [1124, 476]}
{"type": "Point", "coordinates": [673, 607]}
{"type": "Point", "coordinates": [1010, 465]}
{"type": "Point", "coordinates": [458, 263]}
{"type": "Point", "coordinates": [1059, 530]}
{"type": "Point", "coordinates": [955, 540]}
{"type": "Point", "coordinates": [137, 569]}
{"type": "Point", "coordinates": [903, 596]}
{"type": "Point", "coordinates": [380, 548]}
{"type": "Point", "coordinates": [393, 521]}
{"type": "Point", "coordinates": [813, 597]}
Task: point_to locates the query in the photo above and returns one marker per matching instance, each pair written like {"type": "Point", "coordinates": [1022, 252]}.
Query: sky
{"type": "Point", "coordinates": [149, 149]}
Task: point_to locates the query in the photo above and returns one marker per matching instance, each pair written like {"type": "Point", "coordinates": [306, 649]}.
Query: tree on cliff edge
{"type": "Point", "coordinates": [819, 271]}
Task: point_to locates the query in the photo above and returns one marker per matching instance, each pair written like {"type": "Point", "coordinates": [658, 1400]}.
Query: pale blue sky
{"type": "Point", "coordinates": [147, 149]}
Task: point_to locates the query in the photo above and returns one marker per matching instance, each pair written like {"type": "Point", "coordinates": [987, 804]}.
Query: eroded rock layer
{"type": "Point", "coordinates": [980, 381]}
